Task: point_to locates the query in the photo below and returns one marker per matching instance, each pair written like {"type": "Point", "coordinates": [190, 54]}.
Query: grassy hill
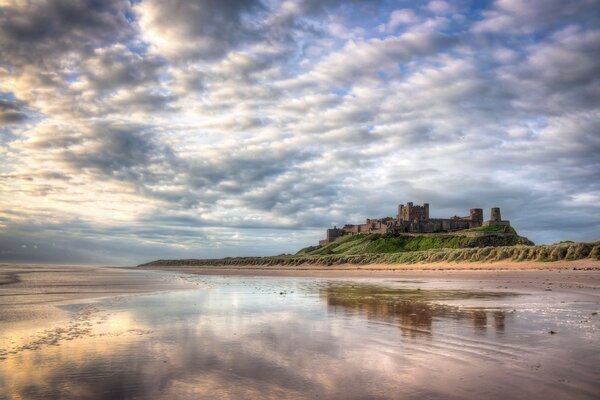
{"type": "Point", "coordinates": [545, 253]}
{"type": "Point", "coordinates": [485, 244]}
{"type": "Point", "coordinates": [377, 244]}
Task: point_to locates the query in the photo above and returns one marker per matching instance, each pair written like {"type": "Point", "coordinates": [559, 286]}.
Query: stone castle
{"type": "Point", "coordinates": [415, 219]}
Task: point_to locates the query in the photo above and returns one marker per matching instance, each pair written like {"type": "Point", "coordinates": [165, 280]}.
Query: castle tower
{"type": "Point", "coordinates": [407, 211]}
{"type": "Point", "coordinates": [495, 214]}
{"type": "Point", "coordinates": [400, 207]}
{"type": "Point", "coordinates": [426, 211]}
{"type": "Point", "coordinates": [476, 217]}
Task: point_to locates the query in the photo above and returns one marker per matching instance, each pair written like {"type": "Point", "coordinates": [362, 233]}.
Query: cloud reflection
{"type": "Point", "coordinates": [243, 338]}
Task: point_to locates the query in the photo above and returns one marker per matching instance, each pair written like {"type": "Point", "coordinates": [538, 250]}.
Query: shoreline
{"type": "Point", "coordinates": [578, 278]}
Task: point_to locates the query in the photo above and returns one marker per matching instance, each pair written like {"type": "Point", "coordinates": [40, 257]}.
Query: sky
{"type": "Point", "coordinates": [137, 130]}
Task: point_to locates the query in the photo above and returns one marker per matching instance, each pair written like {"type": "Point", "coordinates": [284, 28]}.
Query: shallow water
{"type": "Point", "coordinates": [280, 337]}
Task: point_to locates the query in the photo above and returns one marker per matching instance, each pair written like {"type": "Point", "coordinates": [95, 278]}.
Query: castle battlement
{"type": "Point", "coordinates": [415, 219]}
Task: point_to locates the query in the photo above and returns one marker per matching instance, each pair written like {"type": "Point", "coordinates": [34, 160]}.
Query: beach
{"type": "Point", "coordinates": [32, 294]}
{"type": "Point", "coordinates": [100, 333]}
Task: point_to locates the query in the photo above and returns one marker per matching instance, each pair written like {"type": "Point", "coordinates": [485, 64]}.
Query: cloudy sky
{"type": "Point", "coordinates": [135, 130]}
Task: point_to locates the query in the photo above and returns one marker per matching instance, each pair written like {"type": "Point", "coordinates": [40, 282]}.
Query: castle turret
{"type": "Point", "coordinates": [476, 215]}
{"type": "Point", "coordinates": [496, 218]}
{"type": "Point", "coordinates": [412, 213]}
{"type": "Point", "coordinates": [495, 214]}
{"type": "Point", "coordinates": [399, 216]}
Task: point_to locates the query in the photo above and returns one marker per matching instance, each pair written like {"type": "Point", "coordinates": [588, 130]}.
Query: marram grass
{"type": "Point", "coordinates": [376, 243]}
{"type": "Point", "coordinates": [543, 253]}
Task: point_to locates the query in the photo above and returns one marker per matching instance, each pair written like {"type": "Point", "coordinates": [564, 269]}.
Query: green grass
{"type": "Point", "coordinates": [382, 244]}
{"type": "Point", "coordinates": [365, 249]}
{"type": "Point", "coordinates": [493, 228]}
{"type": "Point", "coordinates": [544, 254]}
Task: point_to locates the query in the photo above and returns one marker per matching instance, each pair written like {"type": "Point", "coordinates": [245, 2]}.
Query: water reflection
{"type": "Point", "coordinates": [276, 338]}
{"type": "Point", "coordinates": [413, 310]}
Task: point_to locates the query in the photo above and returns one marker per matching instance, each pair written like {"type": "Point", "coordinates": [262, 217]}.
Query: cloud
{"type": "Point", "coordinates": [439, 7]}
{"type": "Point", "coordinates": [525, 17]}
{"type": "Point", "coordinates": [117, 67]}
{"type": "Point", "coordinates": [184, 30]}
{"type": "Point", "coordinates": [366, 59]}
{"type": "Point", "coordinates": [43, 31]}
{"type": "Point", "coordinates": [119, 152]}
{"type": "Point", "coordinates": [11, 112]}
{"type": "Point", "coordinates": [401, 17]}
{"type": "Point", "coordinates": [221, 128]}
{"type": "Point", "coordinates": [559, 74]}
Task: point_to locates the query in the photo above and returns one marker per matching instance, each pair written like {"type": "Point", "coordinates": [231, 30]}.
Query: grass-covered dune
{"type": "Point", "coordinates": [375, 243]}
{"type": "Point", "coordinates": [545, 253]}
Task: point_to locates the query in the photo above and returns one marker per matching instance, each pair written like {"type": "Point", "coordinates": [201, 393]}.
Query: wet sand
{"type": "Point", "coordinates": [30, 294]}
{"type": "Point", "coordinates": [103, 333]}
{"type": "Point", "coordinates": [579, 276]}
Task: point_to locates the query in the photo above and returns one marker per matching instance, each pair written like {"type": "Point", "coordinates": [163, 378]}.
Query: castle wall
{"type": "Point", "coordinates": [496, 223]}
{"type": "Point", "coordinates": [431, 226]}
{"type": "Point", "coordinates": [333, 234]}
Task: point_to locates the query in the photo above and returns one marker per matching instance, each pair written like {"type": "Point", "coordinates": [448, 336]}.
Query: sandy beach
{"type": "Point", "coordinates": [31, 294]}
{"type": "Point", "coordinates": [301, 333]}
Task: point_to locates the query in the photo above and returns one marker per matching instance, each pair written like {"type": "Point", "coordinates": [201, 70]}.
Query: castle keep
{"type": "Point", "coordinates": [415, 219]}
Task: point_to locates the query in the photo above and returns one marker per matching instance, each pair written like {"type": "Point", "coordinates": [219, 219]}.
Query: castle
{"type": "Point", "coordinates": [415, 219]}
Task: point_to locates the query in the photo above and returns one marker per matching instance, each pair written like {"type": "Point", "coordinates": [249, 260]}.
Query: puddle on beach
{"type": "Point", "coordinates": [307, 338]}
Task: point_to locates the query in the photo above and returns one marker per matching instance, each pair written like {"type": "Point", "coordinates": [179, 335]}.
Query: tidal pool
{"type": "Point", "coordinates": [308, 338]}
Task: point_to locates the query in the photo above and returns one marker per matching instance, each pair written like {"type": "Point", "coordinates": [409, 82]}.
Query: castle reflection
{"type": "Point", "coordinates": [413, 310]}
